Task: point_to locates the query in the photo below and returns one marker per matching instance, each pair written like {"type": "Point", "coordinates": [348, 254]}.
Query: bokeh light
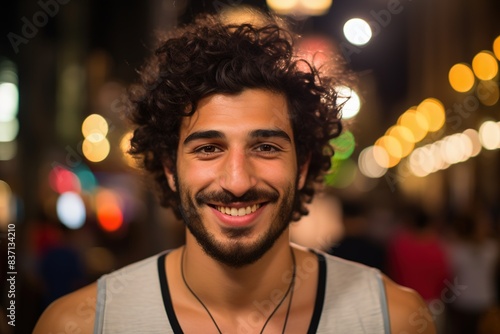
{"type": "Point", "coordinates": [488, 92]}
{"type": "Point", "coordinates": [343, 173]}
{"type": "Point", "coordinates": [9, 130]}
{"type": "Point", "coordinates": [108, 209]}
{"type": "Point", "coordinates": [367, 164]}
{"type": "Point", "coordinates": [456, 148]}
{"type": "Point", "coordinates": [282, 6]}
{"type": "Point", "coordinates": [433, 111]}
{"type": "Point", "coordinates": [316, 7]}
{"type": "Point", "coordinates": [87, 179]}
{"type": "Point", "coordinates": [241, 15]}
{"type": "Point", "coordinates": [301, 7]}
{"type": "Point", "coordinates": [8, 150]}
{"type": "Point", "coordinates": [415, 122]}
{"type": "Point", "coordinates": [391, 145]}
{"type": "Point", "coordinates": [475, 141]}
{"type": "Point", "coordinates": [485, 65]}
{"type": "Point", "coordinates": [489, 135]}
{"type": "Point", "coordinates": [405, 138]}
{"type": "Point", "coordinates": [357, 31]}
{"type": "Point", "coordinates": [9, 101]}
{"type": "Point", "coordinates": [343, 145]}
{"type": "Point", "coordinates": [461, 78]}
{"type": "Point", "coordinates": [62, 180]}
{"type": "Point", "coordinates": [95, 127]}
{"type": "Point", "coordinates": [96, 151]}
{"type": "Point", "coordinates": [349, 100]}
{"type": "Point", "coordinates": [496, 47]}
{"type": "Point", "coordinates": [317, 50]}
{"type": "Point", "coordinates": [71, 210]}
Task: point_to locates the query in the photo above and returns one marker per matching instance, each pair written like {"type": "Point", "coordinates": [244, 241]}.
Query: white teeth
{"type": "Point", "coordinates": [238, 212]}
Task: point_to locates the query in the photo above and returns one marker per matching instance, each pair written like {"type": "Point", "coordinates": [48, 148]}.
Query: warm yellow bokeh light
{"type": "Point", "coordinates": [487, 92]}
{"type": "Point", "coordinates": [391, 145]}
{"type": "Point", "coordinates": [433, 111]}
{"type": "Point", "coordinates": [317, 7]}
{"type": "Point", "coordinates": [305, 7]}
{"type": "Point", "coordinates": [282, 6]}
{"type": "Point", "coordinates": [496, 47]}
{"type": "Point", "coordinates": [95, 126]}
{"type": "Point", "coordinates": [415, 122]}
{"type": "Point", "coordinates": [405, 138]}
{"type": "Point", "coordinates": [383, 158]}
{"type": "Point", "coordinates": [485, 65]}
{"type": "Point", "coordinates": [95, 151]}
{"type": "Point", "coordinates": [241, 15]}
{"type": "Point", "coordinates": [461, 78]}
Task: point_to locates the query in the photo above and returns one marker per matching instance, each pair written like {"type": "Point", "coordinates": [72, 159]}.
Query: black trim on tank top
{"type": "Point", "coordinates": [318, 305]}
{"type": "Point", "coordinates": [320, 294]}
{"type": "Point", "coordinates": [167, 301]}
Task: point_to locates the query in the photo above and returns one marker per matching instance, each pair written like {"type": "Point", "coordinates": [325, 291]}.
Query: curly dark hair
{"type": "Point", "coordinates": [210, 56]}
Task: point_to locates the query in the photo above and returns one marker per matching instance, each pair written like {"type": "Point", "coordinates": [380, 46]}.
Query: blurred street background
{"type": "Point", "coordinates": [414, 188]}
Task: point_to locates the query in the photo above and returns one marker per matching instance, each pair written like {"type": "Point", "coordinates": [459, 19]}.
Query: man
{"type": "Point", "coordinates": [235, 130]}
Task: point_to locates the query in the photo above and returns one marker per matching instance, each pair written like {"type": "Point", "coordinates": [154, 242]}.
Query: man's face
{"type": "Point", "coordinates": [237, 174]}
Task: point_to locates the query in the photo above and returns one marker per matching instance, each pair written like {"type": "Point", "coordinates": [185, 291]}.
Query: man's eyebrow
{"type": "Point", "coordinates": [209, 134]}
{"type": "Point", "coordinates": [269, 133]}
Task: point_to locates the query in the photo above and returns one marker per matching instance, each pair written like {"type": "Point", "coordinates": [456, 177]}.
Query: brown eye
{"type": "Point", "coordinates": [267, 148]}
{"type": "Point", "coordinates": [208, 149]}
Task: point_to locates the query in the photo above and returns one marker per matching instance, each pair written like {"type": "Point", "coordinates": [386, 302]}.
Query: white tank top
{"type": "Point", "coordinates": [135, 299]}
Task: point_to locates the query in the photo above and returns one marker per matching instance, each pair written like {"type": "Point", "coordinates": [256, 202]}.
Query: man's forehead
{"type": "Point", "coordinates": [247, 111]}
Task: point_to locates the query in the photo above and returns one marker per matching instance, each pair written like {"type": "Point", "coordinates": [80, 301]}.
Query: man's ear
{"type": "Point", "coordinates": [303, 169]}
{"type": "Point", "coordinates": [167, 169]}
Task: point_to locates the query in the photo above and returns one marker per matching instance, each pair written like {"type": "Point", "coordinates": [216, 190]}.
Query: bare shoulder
{"type": "Point", "coordinates": [408, 313]}
{"type": "Point", "coordinates": [73, 313]}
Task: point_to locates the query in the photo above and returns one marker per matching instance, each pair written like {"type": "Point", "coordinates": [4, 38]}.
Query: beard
{"type": "Point", "coordinates": [235, 252]}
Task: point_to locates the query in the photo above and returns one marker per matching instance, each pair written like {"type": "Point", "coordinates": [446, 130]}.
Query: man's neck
{"type": "Point", "coordinates": [238, 287]}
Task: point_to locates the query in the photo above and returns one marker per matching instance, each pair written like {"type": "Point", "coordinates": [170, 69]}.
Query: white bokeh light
{"type": "Point", "coordinates": [71, 210]}
{"type": "Point", "coordinates": [357, 31]}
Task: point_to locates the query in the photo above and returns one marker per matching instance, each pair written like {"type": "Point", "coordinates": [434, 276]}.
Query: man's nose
{"type": "Point", "coordinates": [238, 173]}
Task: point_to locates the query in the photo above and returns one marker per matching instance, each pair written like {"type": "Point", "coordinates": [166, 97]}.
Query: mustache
{"type": "Point", "coordinates": [226, 197]}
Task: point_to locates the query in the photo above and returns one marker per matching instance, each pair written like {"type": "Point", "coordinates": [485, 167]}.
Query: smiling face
{"type": "Point", "coordinates": [237, 174]}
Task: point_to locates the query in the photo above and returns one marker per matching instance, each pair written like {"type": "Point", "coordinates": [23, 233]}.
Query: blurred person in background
{"type": "Point", "coordinates": [235, 130]}
{"type": "Point", "coordinates": [417, 258]}
{"type": "Point", "coordinates": [474, 255]}
{"type": "Point", "coordinates": [357, 245]}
